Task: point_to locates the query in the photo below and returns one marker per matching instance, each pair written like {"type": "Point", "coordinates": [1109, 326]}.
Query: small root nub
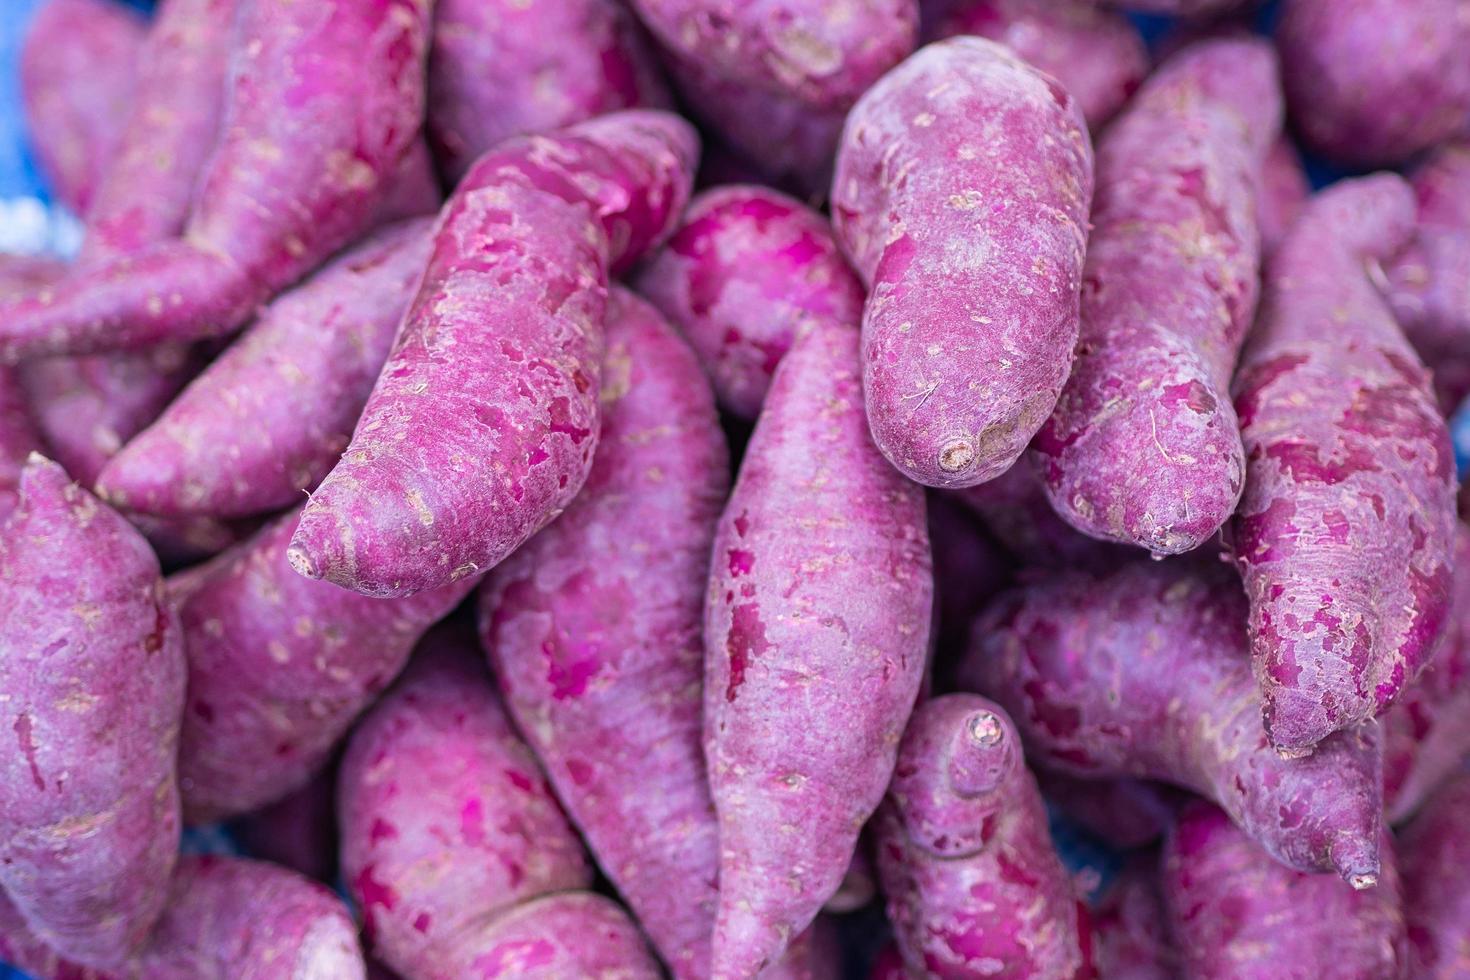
{"type": "Point", "coordinates": [956, 455]}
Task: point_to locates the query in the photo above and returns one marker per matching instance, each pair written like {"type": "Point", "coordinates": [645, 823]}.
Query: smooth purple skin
{"type": "Point", "coordinates": [1282, 193]}
{"type": "Point", "coordinates": [1144, 447]}
{"type": "Point", "coordinates": [279, 666]}
{"type": "Point", "coordinates": [18, 438]}
{"type": "Point", "coordinates": [1370, 83]}
{"type": "Point", "coordinates": [272, 415]}
{"type": "Point", "coordinates": [298, 831]}
{"type": "Point", "coordinates": [78, 66]}
{"type": "Point", "coordinates": [309, 146]}
{"type": "Point", "coordinates": [1426, 732]}
{"type": "Point", "coordinates": [1125, 814]}
{"type": "Point", "coordinates": [968, 570]}
{"type": "Point", "coordinates": [1236, 914]}
{"type": "Point", "coordinates": [413, 190]}
{"type": "Point", "coordinates": [503, 68]}
{"type": "Point", "coordinates": [1014, 509]}
{"type": "Point", "coordinates": [593, 630]}
{"type": "Point", "coordinates": [819, 54]}
{"type": "Point", "coordinates": [1429, 283]}
{"type": "Point", "coordinates": [1435, 850]}
{"type": "Point", "coordinates": [816, 627]}
{"type": "Point", "coordinates": [1130, 935]}
{"type": "Point", "coordinates": [1144, 673]}
{"type": "Point", "coordinates": [93, 674]}
{"type": "Point", "coordinates": [746, 272]}
{"type": "Point", "coordinates": [482, 425]}
{"type": "Point", "coordinates": [974, 886]}
{"type": "Point", "coordinates": [961, 196]}
{"type": "Point", "coordinates": [1097, 54]}
{"type": "Point", "coordinates": [447, 820]}
{"type": "Point", "coordinates": [1345, 531]}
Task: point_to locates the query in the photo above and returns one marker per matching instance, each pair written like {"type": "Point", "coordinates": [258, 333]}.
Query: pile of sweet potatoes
{"type": "Point", "coordinates": [605, 544]}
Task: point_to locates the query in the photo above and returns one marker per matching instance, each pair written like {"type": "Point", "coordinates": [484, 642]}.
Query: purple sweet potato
{"type": "Point", "coordinates": [1130, 935]}
{"type": "Point", "coordinates": [1122, 813]}
{"type": "Point", "coordinates": [1370, 83]}
{"type": "Point", "coordinates": [1096, 53]}
{"type": "Point", "coordinates": [482, 425]}
{"type": "Point", "coordinates": [1345, 531]}
{"type": "Point", "coordinates": [888, 965]}
{"type": "Point", "coordinates": [325, 100]}
{"type": "Point", "coordinates": [446, 818]}
{"type": "Point", "coordinates": [78, 64]}
{"type": "Point", "coordinates": [93, 675]}
{"type": "Point", "coordinates": [1429, 284]}
{"type": "Point", "coordinates": [1426, 732]}
{"type": "Point", "coordinates": [1238, 915]}
{"type": "Point", "coordinates": [18, 438]}
{"type": "Point", "coordinates": [1435, 850]}
{"type": "Point", "coordinates": [961, 196]}
{"type": "Point", "coordinates": [858, 889]}
{"type": "Point", "coordinates": [279, 666]}
{"type": "Point", "coordinates": [1281, 194]}
{"type": "Point", "coordinates": [743, 275]}
{"type": "Point", "coordinates": [1144, 448]}
{"type": "Point", "coordinates": [1014, 508]}
{"type": "Point", "coordinates": [269, 418]}
{"type": "Point", "coordinates": [968, 570]}
{"type": "Point", "coordinates": [593, 628]}
{"type": "Point", "coordinates": [501, 68]}
{"type": "Point", "coordinates": [298, 831]}
{"type": "Point", "coordinates": [974, 886]}
{"type": "Point", "coordinates": [775, 78]}
{"type": "Point", "coordinates": [1144, 673]}
{"type": "Point", "coordinates": [816, 628]}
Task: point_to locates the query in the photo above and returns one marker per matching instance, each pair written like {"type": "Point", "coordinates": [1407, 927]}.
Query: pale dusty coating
{"type": "Point", "coordinates": [501, 68]}
{"type": "Point", "coordinates": [78, 65]}
{"type": "Point", "coordinates": [1144, 447]}
{"type": "Point", "coordinates": [447, 820]}
{"type": "Point", "coordinates": [974, 886]}
{"type": "Point", "coordinates": [1426, 732]}
{"type": "Point", "coordinates": [961, 195]}
{"type": "Point", "coordinates": [743, 275]}
{"type": "Point", "coordinates": [1370, 83]}
{"type": "Point", "coordinates": [1144, 673]}
{"type": "Point", "coordinates": [1130, 936]}
{"type": "Point", "coordinates": [482, 425]}
{"type": "Point", "coordinates": [279, 666]}
{"type": "Point", "coordinates": [816, 627]}
{"type": "Point", "coordinates": [271, 416]}
{"type": "Point", "coordinates": [93, 679]}
{"type": "Point", "coordinates": [1345, 532]}
{"type": "Point", "coordinates": [593, 629]}
{"type": "Point", "coordinates": [1429, 283]}
{"type": "Point", "coordinates": [1436, 850]}
{"type": "Point", "coordinates": [1238, 915]}
{"type": "Point", "coordinates": [325, 100]}
{"type": "Point", "coordinates": [1096, 53]}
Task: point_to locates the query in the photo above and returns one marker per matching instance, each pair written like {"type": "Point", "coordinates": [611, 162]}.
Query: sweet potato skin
{"type": "Point", "coordinates": [1370, 83]}
{"type": "Point", "coordinates": [298, 831]}
{"type": "Point", "coordinates": [502, 68]}
{"type": "Point", "coordinates": [1144, 447]}
{"type": "Point", "coordinates": [1130, 933]}
{"type": "Point", "coordinates": [963, 207]}
{"type": "Point", "coordinates": [447, 821]}
{"type": "Point", "coordinates": [78, 65]}
{"type": "Point", "coordinates": [1345, 530]}
{"type": "Point", "coordinates": [1144, 673]}
{"type": "Point", "coordinates": [820, 588]}
{"type": "Point", "coordinates": [1430, 281]}
{"type": "Point", "coordinates": [268, 419]}
{"type": "Point", "coordinates": [309, 147]}
{"type": "Point", "coordinates": [1435, 848]}
{"type": "Point", "coordinates": [1096, 53]}
{"type": "Point", "coordinates": [593, 629]}
{"type": "Point", "coordinates": [1236, 914]}
{"type": "Point", "coordinates": [1015, 509]}
{"type": "Point", "coordinates": [279, 666]}
{"type": "Point", "coordinates": [1426, 732]}
{"type": "Point", "coordinates": [493, 381]}
{"type": "Point", "coordinates": [93, 669]}
{"type": "Point", "coordinates": [1282, 193]}
{"type": "Point", "coordinates": [747, 269]}
{"type": "Point", "coordinates": [974, 885]}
